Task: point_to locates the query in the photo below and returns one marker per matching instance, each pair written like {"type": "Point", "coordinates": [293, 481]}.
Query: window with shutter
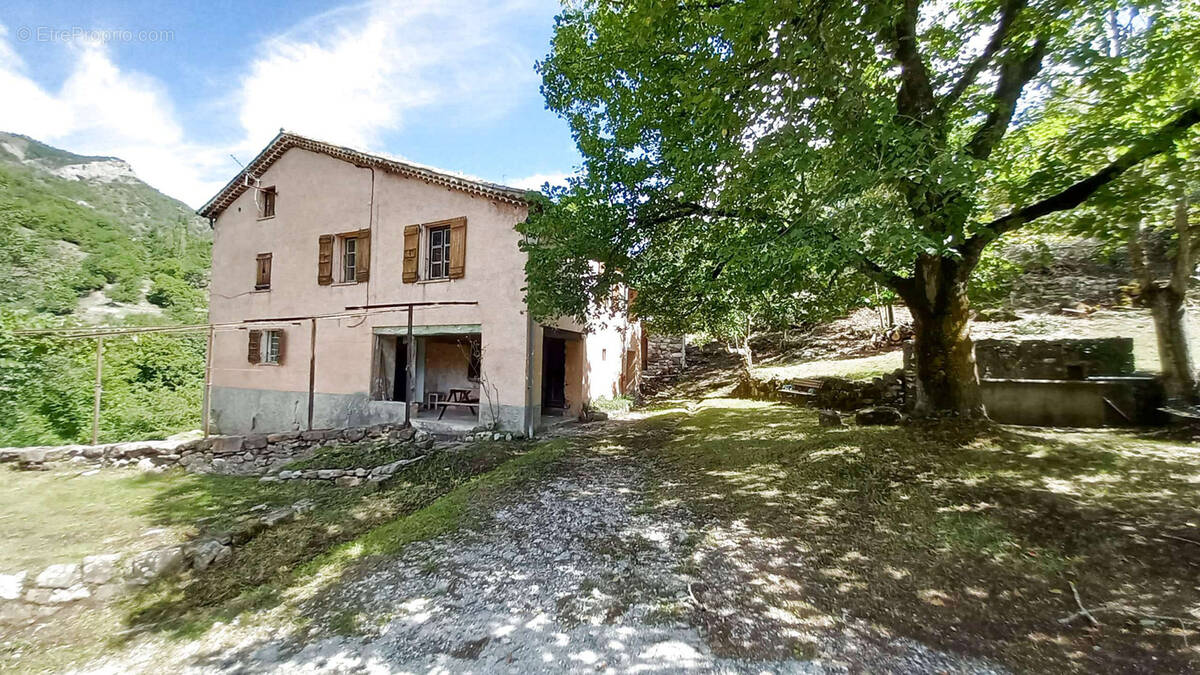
{"type": "Point", "coordinates": [262, 278]}
{"type": "Point", "coordinates": [325, 259]}
{"type": "Point", "coordinates": [438, 253]}
{"type": "Point", "coordinates": [458, 248]}
{"type": "Point", "coordinates": [412, 247]}
{"type": "Point", "coordinates": [267, 205]}
{"type": "Point", "coordinates": [362, 267]}
{"type": "Point", "coordinates": [254, 347]}
{"type": "Point", "coordinates": [272, 347]}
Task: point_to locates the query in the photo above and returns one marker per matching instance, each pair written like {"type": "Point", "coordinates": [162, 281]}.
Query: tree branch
{"type": "Point", "coordinates": [1008, 16]}
{"type": "Point", "coordinates": [915, 97]}
{"type": "Point", "coordinates": [1074, 195]}
{"type": "Point", "coordinates": [1015, 73]}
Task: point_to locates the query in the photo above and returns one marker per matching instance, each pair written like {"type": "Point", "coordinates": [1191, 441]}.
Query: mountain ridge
{"type": "Point", "coordinates": [83, 235]}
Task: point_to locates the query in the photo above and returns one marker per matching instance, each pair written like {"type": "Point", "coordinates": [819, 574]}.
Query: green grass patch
{"type": "Point", "coordinates": [962, 536]}
{"type": "Point", "coordinates": [67, 512]}
{"type": "Point", "coordinates": [283, 565]}
{"type": "Point", "coordinates": [356, 455]}
{"type": "Point", "coordinates": [446, 513]}
{"type": "Point", "coordinates": [618, 404]}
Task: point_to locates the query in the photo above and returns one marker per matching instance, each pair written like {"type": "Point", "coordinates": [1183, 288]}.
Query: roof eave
{"type": "Point", "coordinates": [275, 149]}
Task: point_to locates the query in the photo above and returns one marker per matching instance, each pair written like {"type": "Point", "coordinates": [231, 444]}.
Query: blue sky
{"type": "Point", "coordinates": [175, 88]}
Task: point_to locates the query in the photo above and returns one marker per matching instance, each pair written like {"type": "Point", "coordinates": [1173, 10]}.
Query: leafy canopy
{"type": "Point", "coordinates": [744, 154]}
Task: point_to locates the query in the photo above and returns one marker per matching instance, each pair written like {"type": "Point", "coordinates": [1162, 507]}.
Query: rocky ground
{"type": "Point", "coordinates": [595, 569]}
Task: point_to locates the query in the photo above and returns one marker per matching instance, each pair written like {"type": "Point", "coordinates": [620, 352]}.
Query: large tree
{"type": "Point", "coordinates": [783, 138]}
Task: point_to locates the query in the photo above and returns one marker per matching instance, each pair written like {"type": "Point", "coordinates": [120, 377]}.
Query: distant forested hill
{"type": "Point", "coordinates": [83, 235]}
{"type": "Point", "coordinates": [84, 241]}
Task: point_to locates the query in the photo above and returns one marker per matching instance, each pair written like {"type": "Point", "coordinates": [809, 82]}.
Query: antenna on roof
{"type": "Point", "coordinates": [236, 160]}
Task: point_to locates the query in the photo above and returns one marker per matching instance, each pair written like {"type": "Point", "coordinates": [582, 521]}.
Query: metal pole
{"type": "Point", "coordinates": [96, 391]}
{"type": "Point", "coordinates": [411, 369]}
{"type": "Point", "coordinates": [207, 413]}
{"type": "Point", "coordinates": [312, 370]}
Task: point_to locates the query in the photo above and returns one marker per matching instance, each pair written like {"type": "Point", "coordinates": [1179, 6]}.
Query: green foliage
{"type": "Point", "coordinates": [152, 385]}
{"type": "Point", "coordinates": [1140, 75]}
{"type": "Point", "coordinates": [994, 279]}
{"type": "Point", "coordinates": [752, 158]}
{"type": "Point", "coordinates": [615, 404]}
{"type": "Point", "coordinates": [63, 238]}
{"type": "Point", "coordinates": [171, 292]}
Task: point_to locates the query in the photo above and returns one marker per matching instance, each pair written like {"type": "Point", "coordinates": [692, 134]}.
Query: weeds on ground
{"type": "Point", "coordinates": [967, 538]}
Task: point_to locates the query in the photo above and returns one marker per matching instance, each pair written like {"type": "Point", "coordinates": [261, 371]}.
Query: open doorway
{"type": "Point", "coordinates": [554, 375]}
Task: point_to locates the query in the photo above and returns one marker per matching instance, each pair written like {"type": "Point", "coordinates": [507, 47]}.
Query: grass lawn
{"type": "Point", "coordinates": [66, 513]}
{"type": "Point", "coordinates": [60, 516]}
{"type": "Point", "coordinates": [964, 538]}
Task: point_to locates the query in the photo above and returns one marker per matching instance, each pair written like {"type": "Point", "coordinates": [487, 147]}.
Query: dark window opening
{"type": "Point", "coordinates": [268, 202]}
{"type": "Point", "coordinates": [439, 253]}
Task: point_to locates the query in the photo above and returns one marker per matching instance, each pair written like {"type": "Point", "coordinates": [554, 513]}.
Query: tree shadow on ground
{"type": "Point", "coordinates": [963, 537]}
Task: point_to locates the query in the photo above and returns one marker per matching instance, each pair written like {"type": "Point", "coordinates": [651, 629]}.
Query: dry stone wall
{"type": "Point", "coordinates": [27, 598]}
{"type": "Point", "coordinates": [249, 455]}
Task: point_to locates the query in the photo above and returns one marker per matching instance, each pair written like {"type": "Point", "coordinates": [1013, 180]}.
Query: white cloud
{"type": "Point", "coordinates": [101, 109]}
{"type": "Point", "coordinates": [349, 76]}
{"type": "Point", "coordinates": [536, 181]}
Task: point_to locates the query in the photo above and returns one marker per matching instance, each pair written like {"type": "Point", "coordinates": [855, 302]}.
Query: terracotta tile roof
{"type": "Point", "coordinates": [287, 140]}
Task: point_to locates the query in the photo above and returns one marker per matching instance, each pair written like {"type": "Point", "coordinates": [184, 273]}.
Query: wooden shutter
{"type": "Point", "coordinates": [362, 256]}
{"type": "Point", "coordinates": [282, 345]}
{"type": "Point", "coordinates": [254, 350]}
{"type": "Point", "coordinates": [458, 248]}
{"type": "Point", "coordinates": [325, 259]}
{"type": "Point", "coordinates": [412, 249]}
{"type": "Point", "coordinates": [262, 279]}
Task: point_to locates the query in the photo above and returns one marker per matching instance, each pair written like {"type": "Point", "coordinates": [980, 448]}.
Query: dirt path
{"type": "Point", "coordinates": [583, 573]}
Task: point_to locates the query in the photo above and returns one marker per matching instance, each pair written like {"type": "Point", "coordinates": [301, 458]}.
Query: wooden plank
{"type": "Point", "coordinates": [207, 412]}
{"type": "Point", "coordinates": [96, 391]}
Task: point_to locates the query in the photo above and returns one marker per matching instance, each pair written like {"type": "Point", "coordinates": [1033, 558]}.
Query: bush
{"type": "Point", "coordinates": [169, 291]}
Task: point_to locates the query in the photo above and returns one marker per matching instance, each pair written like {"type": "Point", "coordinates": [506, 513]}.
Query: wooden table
{"type": "Point", "coordinates": [459, 398]}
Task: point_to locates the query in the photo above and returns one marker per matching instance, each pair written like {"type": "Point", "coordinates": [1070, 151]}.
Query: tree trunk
{"type": "Point", "coordinates": [945, 376]}
{"type": "Point", "coordinates": [1169, 311]}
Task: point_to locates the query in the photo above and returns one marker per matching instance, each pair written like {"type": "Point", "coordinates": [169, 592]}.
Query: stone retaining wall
{"type": "Point", "coordinates": [249, 455]}
{"type": "Point", "coordinates": [835, 393]}
{"type": "Point", "coordinates": [97, 578]}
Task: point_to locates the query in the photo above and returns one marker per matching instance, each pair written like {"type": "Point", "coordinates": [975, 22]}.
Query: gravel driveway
{"type": "Point", "coordinates": [584, 573]}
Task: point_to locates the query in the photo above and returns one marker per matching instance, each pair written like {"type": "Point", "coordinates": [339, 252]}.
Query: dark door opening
{"type": "Point", "coordinates": [554, 373]}
{"type": "Point", "coordinates": [400, 380]}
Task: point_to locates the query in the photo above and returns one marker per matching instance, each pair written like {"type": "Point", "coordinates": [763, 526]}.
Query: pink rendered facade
{"type": "Point", "coordinates": [486, 350]}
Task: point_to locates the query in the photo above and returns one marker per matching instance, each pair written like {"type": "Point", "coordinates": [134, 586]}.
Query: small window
{"type": "Point", "coordinates": [271, 340]}
{"type": "Point", "coordinates": [268, 202]}
{"type": "Point", "coordinates": [603, 354]}
{"type": "Point", "coordinates": [349, 259]}
{"type": "Point", "coordinates": [439, 253]}
{"type": "Point", "coordinates": [262, 277]}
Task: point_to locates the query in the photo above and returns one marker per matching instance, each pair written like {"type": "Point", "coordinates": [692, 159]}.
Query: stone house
{"type": "Point", "coordinates": [322, 253]}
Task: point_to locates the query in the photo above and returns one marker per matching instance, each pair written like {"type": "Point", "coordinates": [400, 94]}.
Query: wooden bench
{"type": "Point", "coordinates": [473, 405]}
{"type": "Point", "coordinates": [803, 388]}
